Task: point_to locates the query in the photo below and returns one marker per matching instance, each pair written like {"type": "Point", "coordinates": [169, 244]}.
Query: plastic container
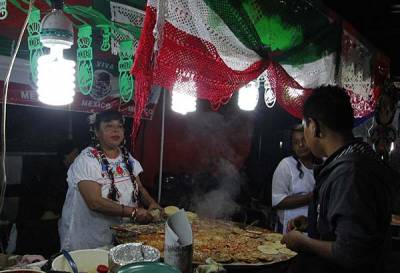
{"type": "Point", "coordinates": [148, 267]}
{"type": "Point", "coordinates": [21, 271]}
{"type": "Point", "coordinates": [179, 257]}
{"type": "Point", "coordinates": [86, 260]}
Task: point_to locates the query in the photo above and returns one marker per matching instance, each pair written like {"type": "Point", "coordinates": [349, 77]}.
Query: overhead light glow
{"type": "Point", "coordinates": [391, 147]}
{"type": "Point", "coordinates": [248, 96]}
{"type": "Point", "coordinates": [184, 96]}
{"type": "Point", "coordinates": [56, 75]}
{"type": "Point", "coordinates": [56, 78]}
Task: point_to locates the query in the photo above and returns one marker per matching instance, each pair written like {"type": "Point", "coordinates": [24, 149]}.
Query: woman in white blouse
{"type": "Point", "coordinates": [293, 181]}
{"type": "Point", "coordinates": [103, 187]}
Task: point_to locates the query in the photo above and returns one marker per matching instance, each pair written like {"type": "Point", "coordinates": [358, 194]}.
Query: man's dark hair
{"type": "Point", "coordinates": [106, 116]}
{"type": "Point", "coordinates": [330, 105]}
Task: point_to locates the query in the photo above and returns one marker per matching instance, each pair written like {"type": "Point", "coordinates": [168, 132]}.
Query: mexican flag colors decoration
{"type": "Point", "coordinates": [222, 45]}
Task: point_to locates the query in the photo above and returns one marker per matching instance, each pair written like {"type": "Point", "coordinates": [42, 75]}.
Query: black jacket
{"type": "Point", "coordinates": [352, 207]}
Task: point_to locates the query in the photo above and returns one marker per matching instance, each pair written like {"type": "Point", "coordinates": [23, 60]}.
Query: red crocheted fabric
{"type": "Point", "coordinates": [182, 53]}
{"type": "Point", "coordinates": [142, 68]}
{"type": "Point", "coordinates": [289, 94]}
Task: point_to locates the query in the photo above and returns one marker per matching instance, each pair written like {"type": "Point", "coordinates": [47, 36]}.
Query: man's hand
{"type": "Point", "coordinates": [297, 241]}
{"type": "Point", "coordinates": [294, 240]}
{"type": "Point", "coordinates": [299, 223]}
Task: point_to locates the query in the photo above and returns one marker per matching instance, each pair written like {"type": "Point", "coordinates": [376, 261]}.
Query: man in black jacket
{"type": "Point", "coordinates": [349, 218]}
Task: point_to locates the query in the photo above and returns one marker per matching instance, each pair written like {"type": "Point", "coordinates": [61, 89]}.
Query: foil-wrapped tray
{"type": "Point", "coordinates": [131, 253]}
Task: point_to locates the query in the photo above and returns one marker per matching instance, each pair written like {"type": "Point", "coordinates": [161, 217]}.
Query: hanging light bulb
{"type": "Point", "coordinates": [248, 96]}
{"type": "Point", "coordinates": [184, 96]}
{"type": "Point", "coordinates": [56, 75]}
{"type": "Point", "coordinates": [56, 78]}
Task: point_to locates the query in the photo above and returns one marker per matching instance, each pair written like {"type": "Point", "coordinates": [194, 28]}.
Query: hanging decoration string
{"type": "Point", "coordinates": [105, 44]}
{"type": "Point", "coordinates": [269, 94]}
{"type": "Point", "coordinates": [84, 59]}
{"type": "Point", "coordinates": [124, 66]}
{"type": "Point", "coordinates": [158, 29]}
{"type": "Point", "coordinates": [34, 44]}
{"type": "Point", "coordinates": [3, 9]}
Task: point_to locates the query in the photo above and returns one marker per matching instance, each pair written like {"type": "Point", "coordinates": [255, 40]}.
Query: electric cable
{"type": "Point", "coordinates": [3, 180]}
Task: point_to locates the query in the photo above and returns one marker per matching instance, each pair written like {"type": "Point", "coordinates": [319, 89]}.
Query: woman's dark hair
{"type": "Point", "coordinates": [106, 116]}
{"type": "Point", "coordinates": [388, 101]}
{"type": "Point", "coordinates": [330, 105]}
{"type": "Point", "coordinates": [297, 129]}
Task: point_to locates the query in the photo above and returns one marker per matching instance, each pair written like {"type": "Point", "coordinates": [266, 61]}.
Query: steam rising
{"type": "Point", "coordinates": [218, 160]}
{"type": "Point", "coordinates": [220, 202]}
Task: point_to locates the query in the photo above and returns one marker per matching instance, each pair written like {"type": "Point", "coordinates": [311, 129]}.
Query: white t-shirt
{"type": "Point", "coordinates": [80, 227]}
{"type": "Point", "coordinates": [287, 182]}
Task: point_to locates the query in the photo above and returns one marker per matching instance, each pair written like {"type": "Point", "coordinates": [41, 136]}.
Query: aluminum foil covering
{"type": "Point", "coordinates": [130, 253]}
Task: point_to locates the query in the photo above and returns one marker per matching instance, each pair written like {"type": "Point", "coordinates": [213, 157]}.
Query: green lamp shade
{"type": "Point", "coordinates": [148, 267]}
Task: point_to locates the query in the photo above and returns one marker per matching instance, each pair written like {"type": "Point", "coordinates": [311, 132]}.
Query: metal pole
{"type": "Point", "coordinates": [161, 148]}
{"type": "Point", "coordinates": [70, 134]}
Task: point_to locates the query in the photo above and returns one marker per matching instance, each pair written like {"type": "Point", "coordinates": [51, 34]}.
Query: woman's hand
{"type": "Point", "coordinates": [154, 205]}
{"type": "Point", "coordinates": [156, 211]}
{"type": "Point", "coordinates": [142, 216]}
{"type": "Point", "coordinates": [299, 223]}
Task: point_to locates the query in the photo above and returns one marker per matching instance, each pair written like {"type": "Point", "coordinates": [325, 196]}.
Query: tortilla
{"type": "Point", "coordinates": [274, 237]}
{"type": "Point", "coordinates": [170, 210]}
{"type": "Point", "coordinates": [266, 249]}
{"type": "Point", "coordinates": [191, 215]}
{"type": "Point", "coordinates": [287, 251]}
{"type": "Point", "coordinates": [221, 257]}
{"type": "Point", "coordinates": [156, 214]}
{"type": "Point", "coordinates": [264, 257]}
{"type": "Point", "coordinates": [274, 245]}
{"type": "Point", "coordinates": [245, 257]}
